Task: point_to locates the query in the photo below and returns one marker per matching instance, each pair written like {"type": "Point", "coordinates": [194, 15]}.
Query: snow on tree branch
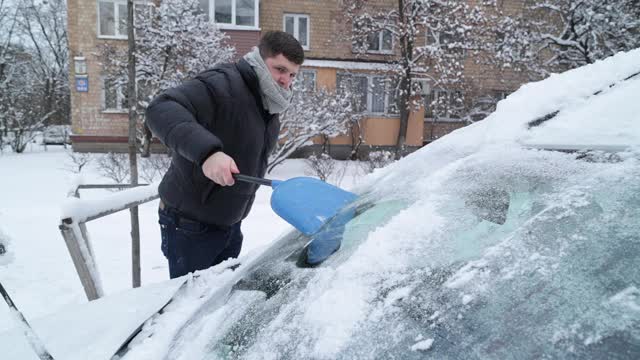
{"type": "Point", "coordinates": [556, 35]}
{"type": "Point", "coordinates": [34, 81]}
{"type": "Point", "coordinates": [429, 38]}
{"type": "Point", "coordinates": [174, 42]}
{"type": "Point", "coordinates": [311, 114]}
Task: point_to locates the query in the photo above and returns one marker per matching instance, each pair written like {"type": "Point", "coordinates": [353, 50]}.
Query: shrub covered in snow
{"type": "Point", "coordinates": [378, 159]}
{"type": "Point", "coordinates": [321, 166]}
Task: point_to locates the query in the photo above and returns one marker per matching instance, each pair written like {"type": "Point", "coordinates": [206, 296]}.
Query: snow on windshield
{"type": "Point", "coordinates": [556, 271]}
{"type": "Point", "coordinates": [438, 272]}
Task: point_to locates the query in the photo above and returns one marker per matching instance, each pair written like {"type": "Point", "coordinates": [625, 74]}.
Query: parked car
{"type": "Point", "coordinates": [514, 238]}
{"type": "Point", "coordinates": [56, 135]}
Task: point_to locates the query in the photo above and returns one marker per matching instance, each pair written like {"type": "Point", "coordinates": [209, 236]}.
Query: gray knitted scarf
{"type": "Point", "coordinates": [274, 97]}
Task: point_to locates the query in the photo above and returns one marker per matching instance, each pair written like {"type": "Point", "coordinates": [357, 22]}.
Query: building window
{"type": "Point", "coordinates": [370, 93]}
{"type": "Point", "coordinates": [357, 87]}
{"type": "Point", "coordinates": [113, 96]}
{"type": "Point", "coordinates": [232, 13]}
{"type": "Point", "coordinates": [298, 26]}
{"type": "Point", "coordinates": [378, 93]}
{"type": "Point", "coordinates": [380, 42]}
{"type": "Point", "coordinates": [306, 80]}
{"type": "Point", "coordinates": [112, 19]}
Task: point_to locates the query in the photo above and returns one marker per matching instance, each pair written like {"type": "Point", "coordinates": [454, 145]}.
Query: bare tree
{"type": "Point", "coordinates": [174, 41]}
{"type": "Point", "coordinates": [349, 91]}
{"type": "Point", "coordinates": [133, 148]}
{"type": "Point", "coordinates": [8, 20]}
{"type": "Point", "coordinates": [311, 114]}
{"type": "Point", "coordinates": [167, 44]}
{"type": "Point", "coordinates": [77, 161]}
{"type": "Point", "coordinates": [9, 69]}
{"type": "Point", "coordinates": [115, 167]}
{"type": "Point", "coordinates": [432, 37]}
{"type": "Point", "coordinates": [321, 165]}
{"type": "Point", "coordinates": [378, 159]}
{"type": "Point", "coordinates": [152, 168]}
{"type": "Point", "coordinates": [22, 115]}
{"type": "Point", "coordinates": [34, 87]}
{"type": "Point", "coordinates": [44, 26]}
{"type": "Point", "coordinates": [556, 35]}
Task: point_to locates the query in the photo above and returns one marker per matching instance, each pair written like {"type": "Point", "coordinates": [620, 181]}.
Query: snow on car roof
{"type": "Point", "coordinates": [595, 105]}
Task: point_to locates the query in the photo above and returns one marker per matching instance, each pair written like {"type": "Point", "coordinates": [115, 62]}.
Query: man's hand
{"type": "Point", "coordinates": [219, 167]}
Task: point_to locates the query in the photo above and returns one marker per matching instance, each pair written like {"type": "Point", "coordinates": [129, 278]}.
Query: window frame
{"type": "Point", "coordinates": [369, 105]}
{"type": "Point", "coordinates": [296, 27]}
{"type": "Point", "coordinates": [300, 78]}
{"type": "Point", "coordinates": [136, 4]}
{"type": "Point", "coordinates": [380, 36]}
{"type": "Point", "coordinates": [120, 98]}
{"type": "Point", "coordinates": [233, 25]}
{"type": "Point", "coordinates": [116, 19]}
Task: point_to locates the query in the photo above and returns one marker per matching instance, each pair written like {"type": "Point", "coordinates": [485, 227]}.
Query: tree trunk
{"type": "Point", "coordinates": [48, 98]}
{"type": "Point", "coordinates": [406, 52]}
{"type": "Point", "coordinates": [356, 139]}
{"type": "Point", "coordinates": [404, 116]}
{"type": "Point", "coordinates": [146, 141]}
{"type": "Point", "coordinates": [133, 159]}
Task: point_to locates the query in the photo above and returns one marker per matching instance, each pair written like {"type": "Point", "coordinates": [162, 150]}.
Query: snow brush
{"type": "Point", "coordinates": [304, 202]}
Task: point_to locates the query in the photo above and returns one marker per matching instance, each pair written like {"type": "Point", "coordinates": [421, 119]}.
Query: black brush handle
{"type": "Point", "coordinates": [251, 179]}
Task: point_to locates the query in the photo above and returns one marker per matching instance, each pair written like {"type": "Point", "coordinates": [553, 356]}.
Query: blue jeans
{"type": "Point", "coordinates": [190, 245]}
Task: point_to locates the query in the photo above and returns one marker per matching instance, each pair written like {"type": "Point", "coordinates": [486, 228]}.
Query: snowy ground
{"type": "Point", "coordinates": [37, 270]}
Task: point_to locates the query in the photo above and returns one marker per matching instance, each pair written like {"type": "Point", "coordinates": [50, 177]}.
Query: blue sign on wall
{"type": "Point", "coordinates": [82, 84]}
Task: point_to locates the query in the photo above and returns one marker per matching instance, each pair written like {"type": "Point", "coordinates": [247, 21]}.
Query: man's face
{"type": "Point", "coordinates": [282, 70]}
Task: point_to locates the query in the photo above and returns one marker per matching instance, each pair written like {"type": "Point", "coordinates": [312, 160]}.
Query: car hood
{"type": "Point", "coordinates": [95, 330]}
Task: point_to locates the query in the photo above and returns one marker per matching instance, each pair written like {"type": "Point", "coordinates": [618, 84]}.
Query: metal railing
{"type": "Point", "coordinates": [74, 229]}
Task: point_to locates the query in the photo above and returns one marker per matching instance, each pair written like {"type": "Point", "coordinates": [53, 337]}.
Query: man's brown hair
{"type": "Point", "coordinates": [274, 43]}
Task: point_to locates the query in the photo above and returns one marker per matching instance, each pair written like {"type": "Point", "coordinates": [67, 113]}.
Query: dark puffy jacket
{"type": "Point", "coordinates": [220, 110]}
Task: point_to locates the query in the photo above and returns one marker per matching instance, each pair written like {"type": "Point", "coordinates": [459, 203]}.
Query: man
{"type": "Point", "coordinates": [223, 122]}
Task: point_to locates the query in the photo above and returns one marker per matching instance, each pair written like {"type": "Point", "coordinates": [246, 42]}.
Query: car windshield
{"type": "Point", "coordinates": [480, 255]}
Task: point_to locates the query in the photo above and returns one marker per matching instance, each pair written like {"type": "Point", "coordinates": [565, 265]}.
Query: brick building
{"type": "Point", "coordinates": [100, 121]}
